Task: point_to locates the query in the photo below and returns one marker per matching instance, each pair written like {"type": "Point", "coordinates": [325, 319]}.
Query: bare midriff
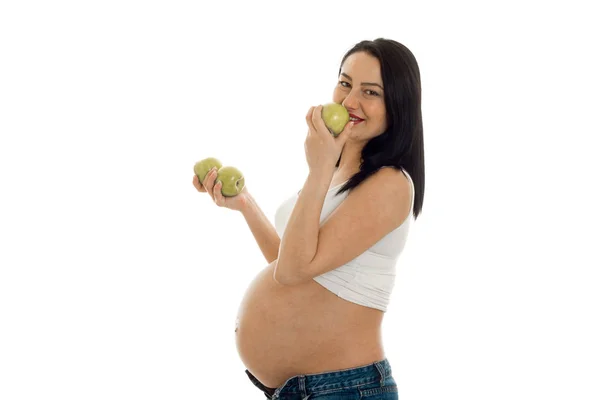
{"type": "Point", "coordinates": [284, 331]}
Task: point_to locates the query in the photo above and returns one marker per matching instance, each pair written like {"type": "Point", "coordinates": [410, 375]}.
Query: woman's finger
{"type": "Point", "coordinates": [209, 182]}
{"type": "Point", "coordinates": [309, 119]}
{"type": "Point", "coordinates": [197, 184]}
{"type": "Point", "coordinates": [217, 195]}
{"type": "Point", "coordinates": [318, 122]}
{"type": "Point", "coordinates": [309, 114]}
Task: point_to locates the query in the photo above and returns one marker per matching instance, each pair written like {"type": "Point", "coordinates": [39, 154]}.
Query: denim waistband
{"type": "Point", "coordinates": [340, 379]}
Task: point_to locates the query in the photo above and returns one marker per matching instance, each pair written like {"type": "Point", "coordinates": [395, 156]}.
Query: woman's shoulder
{"type": "Point", "coordinates": [393, 174]}
{"type": "Point", "coordinates": [396, 181]}
{"type": "Point", "coordinates": [389, 180]}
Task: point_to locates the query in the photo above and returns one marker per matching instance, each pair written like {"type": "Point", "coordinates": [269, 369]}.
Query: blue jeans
{"type": "Point", "coordinates": [369, 382]}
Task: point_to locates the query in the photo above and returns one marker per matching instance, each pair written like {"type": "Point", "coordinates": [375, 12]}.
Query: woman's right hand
{"type": "Point", "coordinates": [213, 189]}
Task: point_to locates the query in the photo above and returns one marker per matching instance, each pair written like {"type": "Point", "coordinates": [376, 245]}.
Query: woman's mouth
{"type": "Point", "coordinates": [355, 120]}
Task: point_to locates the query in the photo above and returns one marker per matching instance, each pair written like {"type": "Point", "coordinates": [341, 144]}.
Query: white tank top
{"type": "Point", "coordinates": [369, 279]}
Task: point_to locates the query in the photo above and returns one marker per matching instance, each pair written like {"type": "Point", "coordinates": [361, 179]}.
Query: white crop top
{"type": "Point", "coordinates": [369, 279]}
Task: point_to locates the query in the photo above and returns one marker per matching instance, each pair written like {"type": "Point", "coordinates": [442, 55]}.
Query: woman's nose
{"type": "Point", "coordinates": [350, 102]}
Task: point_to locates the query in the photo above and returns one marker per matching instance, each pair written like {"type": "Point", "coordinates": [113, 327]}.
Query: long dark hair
{"type": "Point", "coordinates": [401, 145]}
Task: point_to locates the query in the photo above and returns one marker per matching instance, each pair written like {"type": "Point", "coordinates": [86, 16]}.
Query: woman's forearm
{"type": "Point", "coordinates": [299, 241]}
{"type": "Point", "coordinates": [263, 230]}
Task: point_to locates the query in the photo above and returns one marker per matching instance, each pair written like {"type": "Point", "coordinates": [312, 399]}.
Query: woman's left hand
{"type": "Point", "coordinates": [321, 148]}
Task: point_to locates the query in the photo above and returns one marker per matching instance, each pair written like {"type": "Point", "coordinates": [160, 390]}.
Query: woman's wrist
{"type": "Point", "coordinates": [247, 204]}
{"type": "Point", "coordinates": [321, 176]}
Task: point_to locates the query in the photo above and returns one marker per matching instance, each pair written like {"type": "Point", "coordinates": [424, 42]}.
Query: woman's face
{"type": "Point", "coordinates": [360, 90]}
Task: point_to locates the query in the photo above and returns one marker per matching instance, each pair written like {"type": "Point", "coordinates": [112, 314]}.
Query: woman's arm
{"type": "Point", "coordinates": [299, 241]}
{"type": "Point", "coordinates": [263, 230]}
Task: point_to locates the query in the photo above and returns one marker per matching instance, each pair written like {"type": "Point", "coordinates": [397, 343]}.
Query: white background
{"type": "Point", "coordinates": [119, 280]}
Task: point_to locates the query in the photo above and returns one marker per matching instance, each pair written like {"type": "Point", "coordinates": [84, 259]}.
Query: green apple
{"type": "Point", "coordinates": [232, 179]}
{"type": "Point", "coordinates": [202, 167]}
{"type": "Point", "coordinates": [335, 117]}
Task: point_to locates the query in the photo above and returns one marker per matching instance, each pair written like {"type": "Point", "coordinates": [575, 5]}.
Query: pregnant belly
{"type": "Point", "coordinates": [283, 331]}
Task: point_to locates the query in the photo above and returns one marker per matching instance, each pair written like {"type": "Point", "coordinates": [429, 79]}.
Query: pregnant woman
{"type": "Point", "coordinates": [309, 325]}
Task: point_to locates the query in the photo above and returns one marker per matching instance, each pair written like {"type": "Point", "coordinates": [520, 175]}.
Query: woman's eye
{"type": "Point", "coordinates": [369, 92]}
